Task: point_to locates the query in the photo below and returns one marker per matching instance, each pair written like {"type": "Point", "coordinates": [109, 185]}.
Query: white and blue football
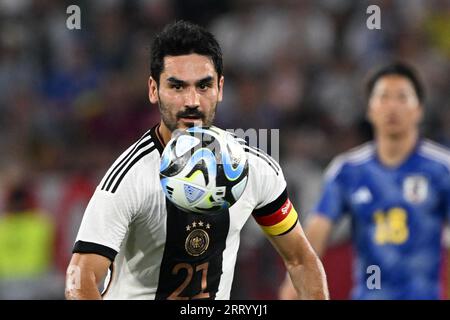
{"type": "Point", "coordinates": [203, 170]}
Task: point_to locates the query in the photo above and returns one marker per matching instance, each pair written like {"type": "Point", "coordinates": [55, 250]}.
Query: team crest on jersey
{"type": "Point", "coordinates": [197, 241]}
{"type": "Point", "coordinates": [415, 189]}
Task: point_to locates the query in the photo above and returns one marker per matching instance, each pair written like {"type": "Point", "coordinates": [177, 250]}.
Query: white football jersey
{"type": "Point", "coordinates": [158, 251]}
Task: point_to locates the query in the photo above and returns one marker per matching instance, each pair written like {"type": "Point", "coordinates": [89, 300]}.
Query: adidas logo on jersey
{"type": "Point", "coordinates": [362, 195]}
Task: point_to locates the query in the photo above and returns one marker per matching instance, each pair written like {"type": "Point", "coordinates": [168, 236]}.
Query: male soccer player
{"type": "Point", "coordinates": [397, 191]}
{"type": "Point", "coordinates": [130, 228]}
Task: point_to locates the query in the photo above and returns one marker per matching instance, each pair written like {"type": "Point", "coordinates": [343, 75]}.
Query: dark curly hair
{"type": "Point", "coordinates": [180, 38]}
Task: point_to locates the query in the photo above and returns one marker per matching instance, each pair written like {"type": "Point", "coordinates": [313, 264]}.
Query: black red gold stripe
{"type": "Point", "coordinates": [278, 217]}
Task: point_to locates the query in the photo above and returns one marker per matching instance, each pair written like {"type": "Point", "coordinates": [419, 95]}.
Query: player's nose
{"type": "Point", "coordinates": [192, 98]}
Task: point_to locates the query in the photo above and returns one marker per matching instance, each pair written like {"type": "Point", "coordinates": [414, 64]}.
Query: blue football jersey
{"type": "Point", "coordinates": [398, 215]}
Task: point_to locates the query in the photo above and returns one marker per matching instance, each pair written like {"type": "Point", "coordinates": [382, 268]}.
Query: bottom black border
{"type": "Point", "coordinates": [246, 309]}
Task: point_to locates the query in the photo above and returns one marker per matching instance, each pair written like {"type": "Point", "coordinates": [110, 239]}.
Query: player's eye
{"type": "Point", "coordinates": [403, 97]}
{"type": "Point", "coordinates": [383, 97]}
{"type": "Point", "coordinates": [204, 86]}
{"type": "Point", "coordinates": [176, 86]}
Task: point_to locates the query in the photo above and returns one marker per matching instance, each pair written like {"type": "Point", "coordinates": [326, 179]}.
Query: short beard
{"type": "Point", "coordinates": [172, 126]}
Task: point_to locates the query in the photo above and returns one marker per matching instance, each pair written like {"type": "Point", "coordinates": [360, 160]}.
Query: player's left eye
{"type": "Point", "coordinates": [402, 97]}
{"type": "Point", "coordinates": [204, 86]}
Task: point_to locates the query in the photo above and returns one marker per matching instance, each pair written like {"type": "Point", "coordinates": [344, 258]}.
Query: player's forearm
{"type": "Point", "coordinates": [82, 288]}
{"type": "Point", "coordinates": [309, 279]}
{"type": "Point", "coordinates": [84, 274]}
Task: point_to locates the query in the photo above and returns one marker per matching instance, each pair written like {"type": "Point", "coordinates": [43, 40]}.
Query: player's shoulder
{"type": "Point", "coordinates": [435, 152]}
{"type": "Point", "coordinates": [352, 158]}
{"type": "Point", "coordinates": [258, 159]}
{"type": "Point", "coordinates": [143, 155]}
{"type": "Point", "coordinates": [261, 161]}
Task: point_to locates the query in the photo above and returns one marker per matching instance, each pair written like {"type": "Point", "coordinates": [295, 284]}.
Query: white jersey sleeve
{"type": "Point", "coordinates": [269, 181]}
{"type": "Point", "coordinates": [120, 196]}
{"type": "Point", "coordinates": [273, 211]}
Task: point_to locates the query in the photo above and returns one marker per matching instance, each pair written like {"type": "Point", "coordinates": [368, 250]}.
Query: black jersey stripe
{"type": "Point", "coordinates": [130, 154]}
{"type": "Point", "coordinates": [91, 247]}
{"type": "Point", "coordinates": [267, 157]}
{"type": "Point", "coordinates": [261, 155]}
{"type": "Point", "coordinates": [130, 165]}
{"type": "Point", "coordinates": [127, 163]}
{"type": "Point", "coordinates": [192, 263]}
{"type": "Point", "coordinates": [157, 139]}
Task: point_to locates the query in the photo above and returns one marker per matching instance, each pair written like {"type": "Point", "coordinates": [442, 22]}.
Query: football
{"type": "Point", "coordinates": [203, 170]}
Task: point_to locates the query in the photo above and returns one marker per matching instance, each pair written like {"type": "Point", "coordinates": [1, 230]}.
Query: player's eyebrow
{"type": "Point", "coordinates": [176, 81]}
{"type": "Point", "coordinates": [205, 81]}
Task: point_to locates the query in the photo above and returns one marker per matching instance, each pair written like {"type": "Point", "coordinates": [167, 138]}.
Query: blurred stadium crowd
{"type": "Point", "coordinates": [72, 100]}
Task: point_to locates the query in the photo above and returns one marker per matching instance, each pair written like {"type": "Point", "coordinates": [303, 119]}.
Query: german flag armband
{"type": "Point", "coordinates": [278, 217]}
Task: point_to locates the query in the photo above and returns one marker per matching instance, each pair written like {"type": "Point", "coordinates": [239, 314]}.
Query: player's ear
{"type": "Point", "coordinates": [152, 90]}
{"type": "Point", "coordinates": [221, 81]}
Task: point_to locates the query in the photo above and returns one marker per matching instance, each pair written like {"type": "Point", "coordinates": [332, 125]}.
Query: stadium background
{"type": "Point", "coordinates": [72, 100]}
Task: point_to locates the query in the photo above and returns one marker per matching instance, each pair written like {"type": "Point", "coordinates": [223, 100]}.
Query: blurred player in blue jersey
{"type": "Point", "coordinates": [397, 191]}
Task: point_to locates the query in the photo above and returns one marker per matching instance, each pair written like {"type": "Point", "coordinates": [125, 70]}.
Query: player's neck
{"type": "Point", "coordinates": [164, 133]}
{"type": "Point", "coordinates": [392, 151]}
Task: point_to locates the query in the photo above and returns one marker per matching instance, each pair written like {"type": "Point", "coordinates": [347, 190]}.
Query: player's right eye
{"type": "Point", "coordinates": [383, 97]}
